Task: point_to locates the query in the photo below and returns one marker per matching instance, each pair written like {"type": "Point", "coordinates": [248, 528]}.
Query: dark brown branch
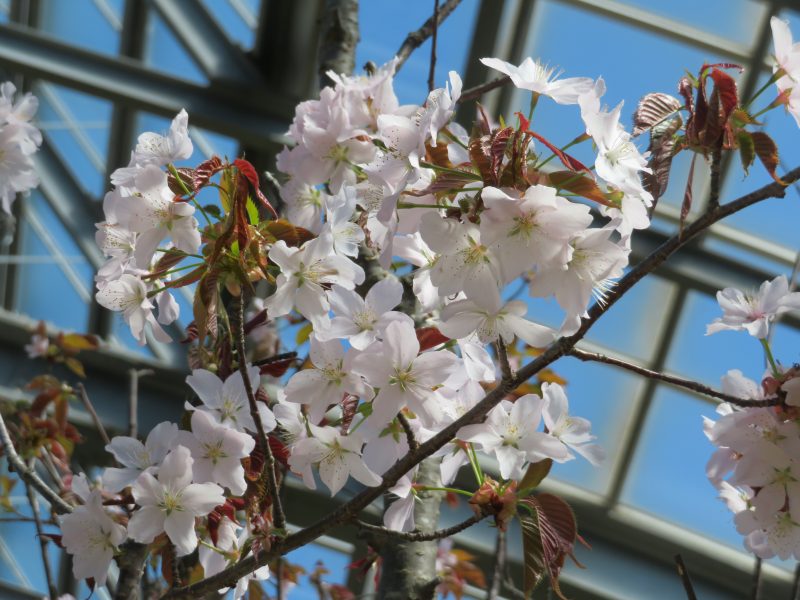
{"type": "Point", "coordinates": [796, 585]}
{"type": "Point", "coordinates": [684, 575]}
{"type": "Point", "coordinates": [57, 503]}
{"type": "Point", "coordinates": [131, 562]}
{"type": "Point", "coordinates": [87, 404]}
{"type": "Point", "coordinates": [348, 511]}
{"type": "Point", "coordinates": [48, 572]}
{"type": "Point", "coordinates": [434, 35]}
{"type": "Point", "coordinates": [412, 441]}
{"type": "Point", "coordinates": [502, 357]}
{"type": "Point", "coordinates": [269, 460]}
{"type": "Point", "coordinates": [479, 90]}
{"type": "Point", "coordinates": [716, 179]}
{"type": "Point", "coordinates": [420, 536]}
{"type": "Point", "coordinates": [755, 592]}
{"type": "Point", "coordinates": [499, 566]}
{"type": "Point", "coordinates": [689, 384]}
{"type": "Point", "coordinates": [415, 39]}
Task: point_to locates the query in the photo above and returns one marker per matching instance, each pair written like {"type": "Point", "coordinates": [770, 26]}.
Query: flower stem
{"type": "Point", "coordinates": [770, 358]}
{"type": "Point", "coordinates": [445, 489]}
{"type": "Point", "coordinates": [186, 191]}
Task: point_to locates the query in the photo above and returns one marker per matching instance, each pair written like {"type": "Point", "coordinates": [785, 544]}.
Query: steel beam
{"type": "Point", "coordinates": [208, 44]}
{"type": "Point", "coordinates": [257, 117]}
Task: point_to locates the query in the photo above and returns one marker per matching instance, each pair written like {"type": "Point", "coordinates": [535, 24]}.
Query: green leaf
{"type": "Point", "coordinates": [303, 334]}
{"type": "Point", "coordinates": [534, 475]}
{"type": "Point", "coordinates": [747, 150]}
{"type": "Point", "coordinates": [252, 211]}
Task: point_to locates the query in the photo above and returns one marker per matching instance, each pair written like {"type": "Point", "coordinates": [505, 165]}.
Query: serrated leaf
{"type": "Point", "coordinates": [578, 184]}
{"type": "Point", "coordinates": [281, 229]}
{"type": "Point", "coordinates": [767, 152]}
{"type": "Point", "coordinates": [535, 474]}
{"type": "Point", "coordinates": [532, 552]}
{"type": "Point", "coordinates": [725, 86]}
{"type": "Point", "coordinates": [74, 365]}
{"type": "Point", "coordinates": [654, 109]}
{"type": "Point", "coordinates": [204, 171]}
{"type": "Point", "coordinates": [662, 150]}
{"type": "Point", "coordinates": [747, 149]}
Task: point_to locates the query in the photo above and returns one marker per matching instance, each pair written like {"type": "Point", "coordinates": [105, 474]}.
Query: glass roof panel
{"type": "Point", "coordinates": [667, 475]}
{"type": "Point", "coordinates": [55, 281]}
{"type": "Point", "coordinates": [77, 125]}
{"type": "Point", "coordinates": [164, 52]}
{"type": "Point", "coordinates": [70, 22]}
{"type": "Point", "coordinates": [4, 10]}
{"type": "Point", "coordinates": [732, 19]}
{"type": "Point", "coordinates": [384, 26]}
{"type": "Point", "coordinates": [309, 557]}
{"type": "Point", "coordinates": [239, 19]}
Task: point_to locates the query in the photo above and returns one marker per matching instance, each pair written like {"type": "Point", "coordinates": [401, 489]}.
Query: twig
{"type": "Point", "coordinates": [176, 568]}
{"type": "Point", "coordinates": [133, 399]}
{"type": "Point", "coordinates": [347, 511]}
{"type": "Point", "coordinates": [412, 441]}
{"type": "Point", "coordinates": [499, 566]}
{"type": "Point", "coordinates": [479, 90]}
{"type": "Point", "coordinates": [716, 179]}
{"type": "Point", "coordinates": [273, 359]}
{"type": "Point", "coordinates": [432, 68]}
{"type": "Point", "coordinates": [421, 536]}
{"type": "Point", "coordinates": [279, 577]}
{"type": "Point", "coordinates": [42, 540]}
{"type": "Point", "coordinates": [87, 404]}
{"type": "Point", "coordinates": [56, 502]}
{"type": "Point", "coordinates": [684, 575]}
{"type": "Point", "coordinates": [269, 466]}
{"type": "Point", "coordinates": [502, 356]}
{"type": "Point", "coordinates": [415, 39]}
{"type": "Point", "coordinates": [513, 590]}
{"type": "Point", "coordinates": [679, 381]}
{"type": "Point", "coordinates": [756, 589]}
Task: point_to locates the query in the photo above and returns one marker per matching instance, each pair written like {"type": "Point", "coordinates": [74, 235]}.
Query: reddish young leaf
{"type": "Point", "coordinates": [249, 171]}
{"type": "Point", "coordinates": [654, 109]}
{"type": "Point", "coordinates": [767, 152]}
{"type": "Point", "coordinates": [277, 368]}
{"type": "Point", "coordinates": [728, 95]}
{"type": "Point", "coordinates": [568, 161]}
{"type": "Point", "coordinates": [279, 450]}
{"type": "Point", "coordinates": [497, 151]}
{"type": "Point", "coordinates": [429, 337]}
{"type": "Point", "coordinates": [578, 184]}
{"type": "Point", "coordinates": [205, 171]}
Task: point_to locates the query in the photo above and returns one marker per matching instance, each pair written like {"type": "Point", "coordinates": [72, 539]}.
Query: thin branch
{"type": "Point", "coordinates": [502, 356]}
{"type": "Point", "coordinates": [57, 503]}
{"type": "Point", "coordinates": [684, 575]}
{"type": "Point", "coordinates": [415, 39]}
{"type": "Point", "coordinates": [432, 67]}
{"type": "Point", "coordinates": [479, 90]}
{"type": "Point", "coordinates": [689, 384]}
{"type": "Point", "coordinates": [412, 441]}
{"type": "Point", "coordinates": [755, 593]}
{"type": "Point", "coordinates": [348, 511]}
{"type": "Point", "coordinates": [87, 404]}
{"type": "Point", "coordinates": [133, 399]}
{"type": "Point", "coordinates": [716, 179]}
{"type": "Point", "coordinates": [279, 577]}
{"type": "Point", "coordinates": [269, 462]}
{"type": "Point", "coordinates": [421, 536]}
{"type": "Point", "coordinates": [499, 566]}
{"type": "Point", "coordinates": [48, 573]}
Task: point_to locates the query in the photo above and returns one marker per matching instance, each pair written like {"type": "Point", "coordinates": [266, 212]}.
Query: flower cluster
{"type": "Point", "coordinates": [787, 67]}
{"type": "Point", "coordinates": [756, 466]}
{"type": "Point", "coordinates": [19, 140]}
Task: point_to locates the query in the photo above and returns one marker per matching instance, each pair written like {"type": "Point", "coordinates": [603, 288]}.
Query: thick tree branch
{"type": "Point", "coordinates": [30, 477]}
{"type": "Point", "coordinates": [338, 39]}
{"type": "Point", "coordinates": [269, 460]}
{"type": "Point", "coordinates": [420, 536]}
{"type": "Point", "coordinates": [689, 384]}
{"type": "Point", "coordinates": [415, 39]}
{"type": "Point", "coordinates": [348, 511]}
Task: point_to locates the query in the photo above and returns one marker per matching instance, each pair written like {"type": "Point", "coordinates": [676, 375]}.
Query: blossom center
{"type": "Point", "coordinates": [403, 378]}
{"type": "Point", "coordinates": [214, 452]}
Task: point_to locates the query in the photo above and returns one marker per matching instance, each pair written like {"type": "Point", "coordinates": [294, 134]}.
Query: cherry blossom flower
{"type": "Point", "coordinates": [404, 378]}
{"type": "Point", "coordinates": [155, 149]}
{"type": "Point", "coordinates": [541, 79]}
{"type": "Point", "coordinates": [359, 320]}
{"type": "Point", "coordinates": [509, 433]}
{"type": "Point", "coordinates": [787, 56]}
{"type": "Point", "coordinates": [491, 321]}
{"type": "Point", "coordinates": [337, 457]}
{"type": "Point", "coordinates": [227, 401]}
{"type": "Point", "coordinates": [128, 295]}
{"type": "Point", "coordinates": [573, 432]}
{"type": "Point", "coordinates": [303, 271]}
{"type": "Point", "coordinates": [327, 382]}
{"type": "Point", "coordinates": [754, 312]}
{"type": "Point", "coordinates": [136, 457]}
{"type": "Point", "coordinates": [170, 502]}
{"type": "Point", "coordinates": [304, 204]}
{"type": "Point", "coordinates": [16, 168]}
{"type": "Point", "coordinates": [217, 451]}
{"type": "Point", "coordinates": [346, 234]}
{"type": "Point", "coordinates": [89, 534]}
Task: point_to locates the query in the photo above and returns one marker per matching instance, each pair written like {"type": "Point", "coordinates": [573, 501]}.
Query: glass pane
{"type": "Point", "coordinates": [165, 53]}
{"type": "Point", "coordinates": [733, 19]}
{"type": "Point", "coordinates": [308, 557]}
{"type": "Point", "coordinates": [70, 21]}
{"type": "Point", "coordinates": [55, 281]}
{"type": "Point", "coordinates": [667, 476]}
{"type": "Point", "coordinates": [77, 125]}
{"type": "Point", "coordinates": [384, 26]}
{"type": "Point", "coordinates": [239, 19]}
